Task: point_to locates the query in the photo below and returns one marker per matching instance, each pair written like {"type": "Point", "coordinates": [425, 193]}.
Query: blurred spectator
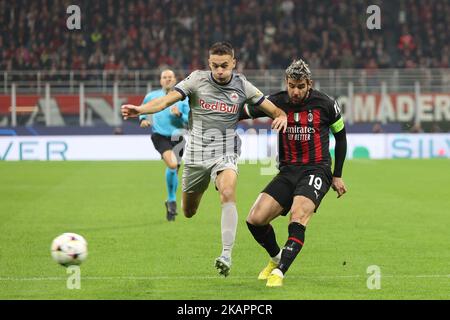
{"type": "Point", "coordinates": [416, 128]}
{"type": "Point", "coordinates": [435, 128]}
{"type": "Point", "coordinates": [111, 65]}
{"type": "Point", "coordinates": [406, 41]}
{"type": "Point", "coordinates": [118, 130]}
{"type": "Point", "coordinates": [137, 34]}
{"type": "Point", "coordinates": [377, 128]}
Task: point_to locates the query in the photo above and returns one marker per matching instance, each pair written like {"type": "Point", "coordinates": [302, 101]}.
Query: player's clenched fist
{"type": "Point", "coordinates": [339, 186]}
{"type": "Point", "coordinates": [145, 124]}
{"type": "Point", "coordinates": [175, 111]}
{"type": "Point", "coordinates": [130, 111]}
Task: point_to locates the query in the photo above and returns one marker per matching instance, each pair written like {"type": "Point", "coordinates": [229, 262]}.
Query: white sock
{"type": "Point", "coordinates": [277, 258]}
{"type": "Point", "coordinates": [229, 226]}
{"type": "Point", "coordinates": [278, 272]}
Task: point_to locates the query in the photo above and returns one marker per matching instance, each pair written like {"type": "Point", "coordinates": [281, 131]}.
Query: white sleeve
{"type": "Point", "coordinates": [187, 86]}
{"type": "Point", "coordinates": [252, 94]}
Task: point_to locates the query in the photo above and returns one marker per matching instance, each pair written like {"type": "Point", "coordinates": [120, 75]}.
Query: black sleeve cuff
{"type": "Point", "coordinates": [260, 101]}
{"type": "Point", "coordinates": [181, 92]}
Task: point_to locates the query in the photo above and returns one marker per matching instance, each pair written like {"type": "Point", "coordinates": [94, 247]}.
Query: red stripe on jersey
{"type": "Point", "coordinates": [292, 142]}
{"type": "Point", "coordinates": [317, 141]}
{"type": "Point", "coordinates": [296, 240]}
{"type": "Point", "coordinates": [285, 146]}
{"type": "Point", "coordinates": [304, 143]}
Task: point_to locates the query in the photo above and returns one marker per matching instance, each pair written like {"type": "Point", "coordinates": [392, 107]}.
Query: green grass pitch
{"type": "Point", "coordinates": [396, 216]}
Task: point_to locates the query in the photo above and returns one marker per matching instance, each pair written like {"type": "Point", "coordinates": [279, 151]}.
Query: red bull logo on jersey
{"type": "Point", "coordinates": [219, 106]}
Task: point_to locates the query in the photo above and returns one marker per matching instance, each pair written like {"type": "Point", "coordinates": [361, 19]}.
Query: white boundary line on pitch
{"type": "Point", "coordinates": [425, 276]}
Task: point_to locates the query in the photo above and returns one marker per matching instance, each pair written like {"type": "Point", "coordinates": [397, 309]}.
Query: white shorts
{"type": "Point", "coordinates": [196, 178]}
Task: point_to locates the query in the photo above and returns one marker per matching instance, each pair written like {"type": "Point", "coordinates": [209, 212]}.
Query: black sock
{"type": "Point", "coordinates": [265, 236]}
{"type": "Point", "coordinates": [293, 245]}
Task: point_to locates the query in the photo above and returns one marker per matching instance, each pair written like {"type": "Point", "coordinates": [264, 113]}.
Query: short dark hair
{"type": "Point", "coordinates": [221, 49]}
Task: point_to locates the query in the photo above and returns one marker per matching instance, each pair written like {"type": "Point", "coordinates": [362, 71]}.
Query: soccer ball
{"type": "Point", "coordinates": [69, 249]}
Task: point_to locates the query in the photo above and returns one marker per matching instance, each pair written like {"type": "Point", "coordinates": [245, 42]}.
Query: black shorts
{"type": "Point", "coordinates": [312, 182]}
{"type": "Point", "coordinates": [175, 143]}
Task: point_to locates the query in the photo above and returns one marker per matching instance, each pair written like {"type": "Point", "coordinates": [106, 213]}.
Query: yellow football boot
{"type": "Point", "coordinates": [265, 273]}
{"type": "Point", "coordinates": [275, 279]}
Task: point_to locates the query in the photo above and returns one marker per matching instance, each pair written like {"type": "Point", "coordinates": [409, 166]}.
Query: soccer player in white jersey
{"type": "Point", "coordinates": [215, 98]}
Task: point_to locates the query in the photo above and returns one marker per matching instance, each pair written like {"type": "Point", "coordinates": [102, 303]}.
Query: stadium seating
{"type": "Point", "coordinates": [118, 35]}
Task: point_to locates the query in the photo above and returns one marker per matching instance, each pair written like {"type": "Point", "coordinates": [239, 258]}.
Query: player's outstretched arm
{"type": "Point", "coordinates": [279, 116]}
{"type": "Point", "coordinates": [251, 112]}
{"type": "Point", "coordinates": [153, 106]}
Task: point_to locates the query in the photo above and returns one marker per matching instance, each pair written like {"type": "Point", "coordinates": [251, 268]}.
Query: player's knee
{"type": "Point", "coordinates": [301, 216]}
{"type": "Point", "coordinates": [256, 218]}
{"type": "Point", "coordinates": [227, 194]}
{"type": "Point", "coordinates": [172, 165]}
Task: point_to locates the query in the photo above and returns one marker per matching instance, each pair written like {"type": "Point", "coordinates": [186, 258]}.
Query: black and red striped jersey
{"type": "Point", "coordinates": [306, 140]}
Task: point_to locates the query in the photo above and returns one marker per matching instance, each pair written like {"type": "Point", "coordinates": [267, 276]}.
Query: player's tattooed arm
{"type": "Point", "coordinates": [153, 106]}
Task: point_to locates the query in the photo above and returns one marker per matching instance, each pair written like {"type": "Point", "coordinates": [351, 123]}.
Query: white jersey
{"type": "Point", "coordinates": [214, 114]}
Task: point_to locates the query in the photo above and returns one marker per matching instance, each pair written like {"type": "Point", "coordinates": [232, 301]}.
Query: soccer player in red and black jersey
{"type": "Point", "coordinates": [305, 168]}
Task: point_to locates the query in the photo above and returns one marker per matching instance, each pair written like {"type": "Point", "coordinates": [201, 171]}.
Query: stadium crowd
{"type": "Point", "coordinates": [138, 34]}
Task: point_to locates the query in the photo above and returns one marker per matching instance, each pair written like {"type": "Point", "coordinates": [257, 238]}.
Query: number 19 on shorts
{"type": "Point", "coordinates": [314, 181]}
